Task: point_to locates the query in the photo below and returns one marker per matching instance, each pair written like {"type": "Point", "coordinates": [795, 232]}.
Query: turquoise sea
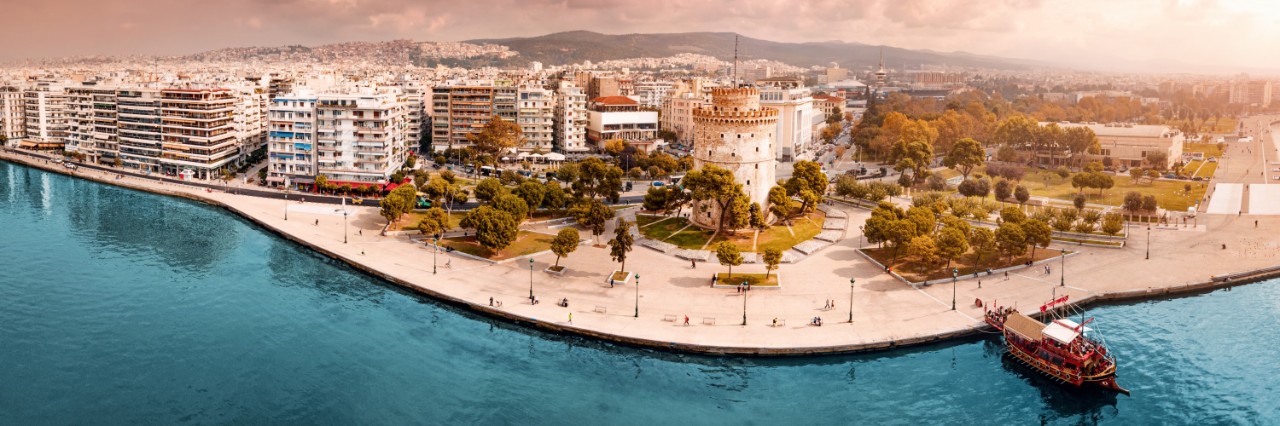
{"type": "Point", "coordinates": [123, 308]}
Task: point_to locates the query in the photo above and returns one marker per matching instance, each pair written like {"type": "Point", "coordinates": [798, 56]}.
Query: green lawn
{"type": "Point", "coordinates": [411, 220]}
{"type": "Point", "coordinates": [692, 238]}
{"type": "Point", "coordinates": [1191, 167]}
{"type": "Point", "coordinates": [755, 280]}
{"type": "Point", "coordinates": [526, 243]}
{"type": "Point", "coordinates": [660, 231]}
{"type": "Point", "coordinates": [645, 220]}
{"type": "Point", "coordinates": [619, 276]}
{"type": "Point", "coordinates": [548, 214]}
{"type": "Point", "coordinates": [1208, 170]}
{"type": "Point", "coordinates": [1169, 194]}
{"type": "Point", "coordinates": [913, 271]}
{"type": "Point", "coordinates": [778, 236]}
{"type": "Point", "coordinates": [1209, 149]}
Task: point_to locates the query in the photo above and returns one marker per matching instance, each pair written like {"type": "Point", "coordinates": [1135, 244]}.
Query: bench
{"type": "Point", "coordinates": [708, 321]}
{"type": "Point", "coordinates": [780, 322]}
{"type": "Point", "coordinates": [601, 309]}
{"type": "Point", "coordinates": [669, 318]}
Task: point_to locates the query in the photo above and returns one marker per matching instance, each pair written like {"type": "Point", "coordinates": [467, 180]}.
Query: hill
{"type": "Point", "coordinates": [577, 46]}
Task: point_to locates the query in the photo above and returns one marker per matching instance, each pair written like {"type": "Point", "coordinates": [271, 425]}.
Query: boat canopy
{"type": "Point", "coordinates": [1062, 333]}
{"type": "Point", "coordinates": [1024, 326]}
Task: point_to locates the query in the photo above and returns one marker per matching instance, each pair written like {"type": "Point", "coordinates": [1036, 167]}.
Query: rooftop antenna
{"type": "Point", "coordinates": [735, 60]}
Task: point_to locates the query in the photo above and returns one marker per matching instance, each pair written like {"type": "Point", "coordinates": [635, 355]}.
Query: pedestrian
{"type": "Point", "coordinates": [694, 264]}
{"type": "Point", "coordinates": [1006, 275]}
{"type": "Point", "coordinates": [686, 320]}
{"type": "Point", "coordinates": [317, 222]}
{"type": "Point", "coordinates": [360, 232]}
{"type": "Point", "coordinates": [490, 301]}
{"type": "Point", "coordinates": [571, 318]}
{"type": "Point", "coordinates": [610, 282]}
{"type": "Point", "coordinates": [1255, 224]}
{"type": "Point", "coordinates": [362, 252]}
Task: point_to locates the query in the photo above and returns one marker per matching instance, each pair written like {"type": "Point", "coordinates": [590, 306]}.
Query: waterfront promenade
{"type": "Point", "coordinates": [886, 312]}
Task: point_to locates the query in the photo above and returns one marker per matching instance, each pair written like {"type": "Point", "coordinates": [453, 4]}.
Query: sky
{"type": "Point", "coordinates": [1159, 35]}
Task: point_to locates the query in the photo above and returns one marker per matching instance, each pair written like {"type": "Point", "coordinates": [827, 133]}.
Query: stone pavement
{"type": "Point", "coordinates": [883, 309]}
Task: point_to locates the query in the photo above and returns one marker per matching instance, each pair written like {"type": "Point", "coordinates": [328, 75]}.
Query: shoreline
{"type": "Point", "coordinates": [1114, 297]}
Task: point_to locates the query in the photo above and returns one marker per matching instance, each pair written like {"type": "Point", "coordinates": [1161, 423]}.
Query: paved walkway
{"type": "Point", "coordinates": [883, 309]}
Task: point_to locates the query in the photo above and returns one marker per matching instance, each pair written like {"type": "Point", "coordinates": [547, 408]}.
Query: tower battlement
{"type": "Point", "coordinates": [741, 98]}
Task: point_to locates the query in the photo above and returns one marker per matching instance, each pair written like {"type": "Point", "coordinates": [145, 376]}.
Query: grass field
{"type": "Point", "coordinates": [411, 220]}
{"type": "Point", "coordinates": [1170, 194]}
{"type": "Point", "coordinates": [526, 243]}
{"type": "Point", "coordinates": [1191, 167]}
{"type": "Point", "coordinates": [915, 272]}
{"type": "Point", "coordinates": [693, 237]}
{"type": "Point", "coordinates": [1207, 170]}
{"type": "Point", "coordinates": [754, 280]}
{"type": "Point", "coordinates": [1209, 149]}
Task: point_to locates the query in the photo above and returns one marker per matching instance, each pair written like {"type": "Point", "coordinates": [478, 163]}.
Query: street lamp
{"type": "Point", "coordinates": [637, 295]}
{"type": "Point", "coordinates": [1148, 242]}
{"type": "Point", "coordinates": [344, 223]}
{"type": "Point", "coordinates": [530, 280]}
{"type": "Point", "coordinates": [436, 240]}
{"type": "Point", "coordinates": [955, 274]}
{"type": "Point", "coordinates": [851, 282]}
{"type": "Point", "coordinates": [286, 203]}
{"type": "Point", "coordinates": [1063, 281]}
{"type": "Point", "coordinates": [861, 233]}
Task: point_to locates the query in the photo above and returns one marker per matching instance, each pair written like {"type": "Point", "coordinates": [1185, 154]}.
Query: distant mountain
{"type": "Point", "coordinates": [577, 46]}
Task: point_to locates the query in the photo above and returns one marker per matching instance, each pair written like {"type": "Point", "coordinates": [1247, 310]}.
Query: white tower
{"type": "Point", "coordinates": [735, 133]}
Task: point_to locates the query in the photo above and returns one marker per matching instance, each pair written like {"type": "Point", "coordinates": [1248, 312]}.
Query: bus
{"type": "Point", "coordinates": [488, 171]}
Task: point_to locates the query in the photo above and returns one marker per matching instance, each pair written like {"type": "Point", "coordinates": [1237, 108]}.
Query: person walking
{"type": "Point", "coordinates": [693, 264]}
{"type": "Point", "coordinates": [686, 320]}
{"type": "Point", "coordinates": [571, 318]}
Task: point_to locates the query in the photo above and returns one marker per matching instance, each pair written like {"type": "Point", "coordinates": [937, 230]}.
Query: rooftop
{"type": "Point", "coordinates": [1124, 129]}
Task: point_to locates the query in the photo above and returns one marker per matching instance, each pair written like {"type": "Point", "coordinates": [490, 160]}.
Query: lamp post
{"type": "Point", "coordinates": [955, 274]}
{"type": "Point", "coordinates": [530, 280]}
{"type": "Point", "coordinates": [435, 239]}
{"type": "Point", "coordinates": [1063, 281]}
{"type": "Point", "coordinates": [862, 231]}
{"type": "Point", "coordinates": [637, 295]}
{"type": "Point", "coordinates": [1148, 242]}
{"type": "Point", "coordinates": [744, 303]}
{"type": "Point", "coordinates": [286, 203]}
{"type": "Point", "coordinates": [851, 282]}
{"type": "Point", "coordinates": [344, 223]}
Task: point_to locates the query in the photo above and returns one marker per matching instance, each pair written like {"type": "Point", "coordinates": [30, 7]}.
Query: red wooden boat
{"type": "Point", "coordinates": [1064, 350]}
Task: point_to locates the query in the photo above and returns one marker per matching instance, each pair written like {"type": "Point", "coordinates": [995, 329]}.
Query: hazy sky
{"type": "Point", "coordinates": [1224, 35]}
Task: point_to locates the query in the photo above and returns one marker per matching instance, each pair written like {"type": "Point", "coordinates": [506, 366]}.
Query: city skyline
{"type": "Point", "coordinates": [1155, 35]}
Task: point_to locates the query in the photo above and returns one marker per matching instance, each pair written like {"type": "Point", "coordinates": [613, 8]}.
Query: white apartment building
{"type": "Point", "coordinates": [651, 93]}
{"type": "Point", "coordinates": [794, 103]}
{"type": "Point", "coordinates": [536, 116]}
{"type": "Point", "coordinates": [360, 139]}
{"type": "Point", "coordinates": [198, 134]}
{"type": "Point", "coordinates": [620, 117]}
{"type": "Point", "coordinates": [291, 139]}
{"type": "Point", "coordinates": [138, 127]}
{"type": "Point", "coordinates": [677, 115]}
{"type": "Point", "coordinates": [570, 124]}
{"type": "Point", "coordinates": [251, 117]}
{"type": "Point", "coordinates": [12, 116]}
{"type": "Point", "coordinates": [44, 113]}
{"type": "Point", "coordinates": [91, 123]}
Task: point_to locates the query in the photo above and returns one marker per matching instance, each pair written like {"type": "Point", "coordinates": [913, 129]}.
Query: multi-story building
{"type": "Point", "coordinates": [251, 117]}
{"type": "Point", "coordinates": [360, 138]}
{"type": "Point", "coordinates": [91, 123]}
{"type": "Point", "coordinates": [677, 115]}
{"type": "Point", "coordinates": [620, 117]}
{"type": "Point", "coordinates": [198, 131]}
{"type": "Point", "coordinates": [139, 128]}
{"type": "Point", "coordinates": [12, 118]}
{"type": "Point", "coordinates": [571, 120]}
{"type": "Point", "coordinates": [795, 114]}
{"type": "Point", "coordinates": [1128, 144]}
{"type": "Point", "coordinates": [600, 87]}
{"type": "Point", "coordinates": [651, 94]}
{"type": "Point", "coordinates": [828, 104]}
{"type": "Point", "coordinates": [536, 115]}
{"type": "Point", "coordinates": [44, 113]}
{"type": "Point", "coordinates": [457, 110]}
{"type": "Point", "coordinates": [291, 140]}
{"type": "Point", "coordinates": [416, 119]}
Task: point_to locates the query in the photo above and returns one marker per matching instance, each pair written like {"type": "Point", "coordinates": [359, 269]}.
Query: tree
{"type": "Point", "coordinates": [757, 217]}
{"type": "Point", "coordinates": [1132, 201]}
{"type": "Point", "coordinates": [565, 242]}
{"type": "Point", "coordinates": [1158, 160]}
{"type": "Point", "coordinates": [532, 192]}
{"type": "Point", "coordinates": [982, 240]}
{"type": "Point", "coordinates": [1078, 201]}
{"type": "Point", "coordinates": [712, 183]}
{"type": "Point", "coordinates": [512, 204]}
{"type": "Point", "coordinates": [1136, 174]}
{"type": "Point", "coordinates": [593, 215]}
{"type": "Point", "coordinates": [1081, 140]}
{"type": "Point", "coordinates": [936, 182]}
{"type": "Point", "coordinates": [728, 255]}
{"type": "Point", "coordinates": [1012, 214]}
{"type": "Point", "coordinates": [923, 249]}
{"type": "Point", "coordinates": [1149, 203]}
{"type": "Point", "coordinates": [554, 196]}
{"type": "Point", "coordinates": [495, 229]}
{"type": "Point", "coordinates": [496, 136]}
{"type": "Point", "coordinates": [1003, 189]}
{"type": "Point", "coordinates": [781, 204]}
{"type": "Point", "coordinates": [593, 178]}
{"type": "Point", "coordinates": [913, 151]}
{"type": "Point", "coordinates": [1011, 240]}
{"type": "Point", "coordinates": [847, 186]}
{"type": "Point", "coordinates": [952, 243]}
{"type": "Point", "coordinates": [807, 176]}
{"type": "Point", "coordinates": [772, 257]}
{"type": "Point", "coordinates": [965, 156]}
{"type": "Point", "coordinates": [656, 198]}
{"type": "Point", "coordinates": [488, 189]}
{"type": "Point", "coordinates": [614, 147]}
{"type": "Point", "coordinates": [322, 181]}
{"type": "Point", "coordinates": [1112, 224]}
{"type": "Point", "coordinates": [1037, 232]}
{"type": "Point", "coordinates": [397, 203]}
{"type": "Point", "coordinates": [1022, 194]}
{"type": "Point", "coordinates": [434, 221]}
{"type": "Point", "coordinates": [621, 243]}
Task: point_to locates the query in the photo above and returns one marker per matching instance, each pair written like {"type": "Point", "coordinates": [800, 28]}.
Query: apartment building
{"type": "Point", "coordinates": [12, 116]}
{"type": "Point", "coordinates": [44, 114]}
{"type": "Point", "coordinates": [677, 115]}
{"type": "Point", "coordinates": [291, 140]}
{"type": "Point", "coordinates": [91, 123]}
{"type": "Point", "coordinates": [138, 128]}
{"type": "Point", "coordinates": [459, 109]}
{"type": "Point", "coordinates": [198, 133]}
{"type": "Point", "coordinates": [536, 116]}
{"type": "Point", "coordinates": [251, 117]}
{"type": "Point", "coordinates": [360, 138]}
{"type": "Point", "coordinates": [571, 120]}
{"type": "Point", "coordinates": [651, 94]}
